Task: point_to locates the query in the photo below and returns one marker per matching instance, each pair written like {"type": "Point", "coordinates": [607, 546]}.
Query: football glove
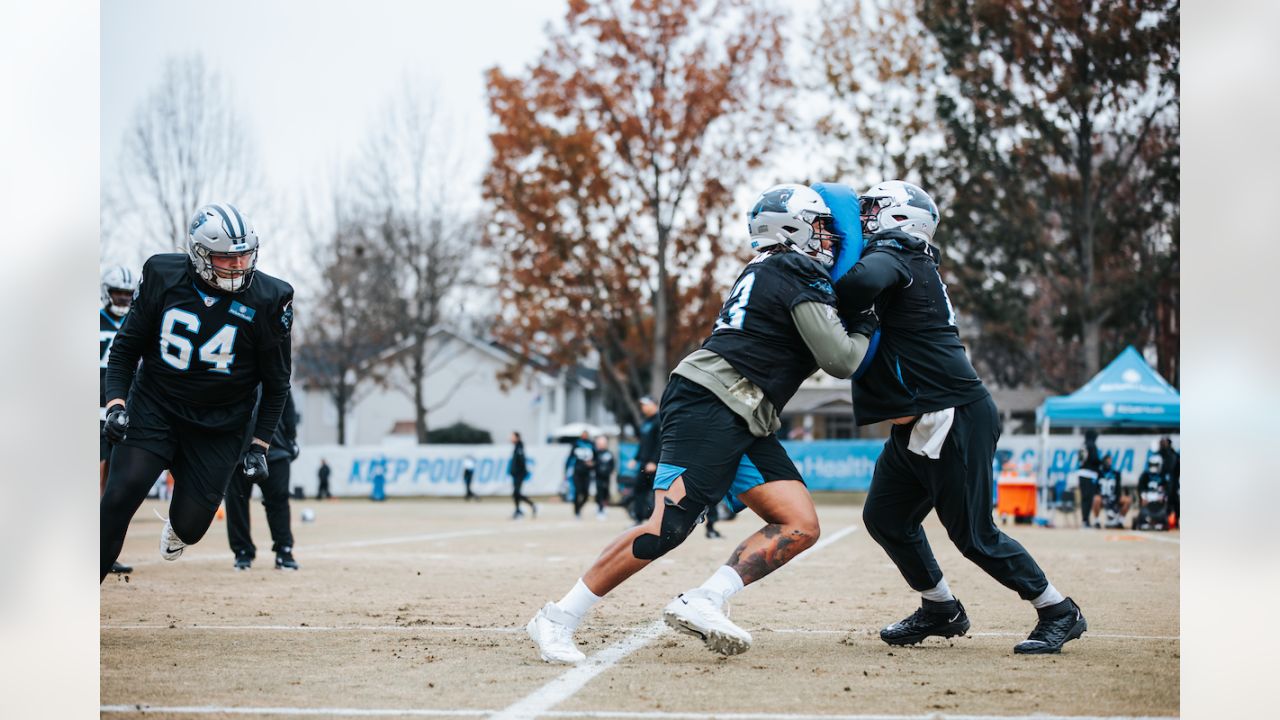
{"type": "Point", "coordinates": [117, 424]}
{"type": "Point", "coordinates": [865, 322]}
{"type": "Point", "coordinates": [294, 450]}
{"type": "Point", "coordinates": [254, 462]}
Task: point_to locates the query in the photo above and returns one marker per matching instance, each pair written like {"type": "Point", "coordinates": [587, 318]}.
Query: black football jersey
{"type": "Point", "coordinates": [1109, 484]}
{"type": "Point", "coordinates": [108, 326]}
{"type": "Point", "coordinates": [204, 351]}
{"type": "Point", "coordinates": [920, 366]}
{"type": "Point", "coordinates": [755, 331]}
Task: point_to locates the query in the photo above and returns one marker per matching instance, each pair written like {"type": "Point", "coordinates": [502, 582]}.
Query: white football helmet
{"type": "Point", "coordinates": [120, 279]}
{"type": "Point", "coordinates": [221, 231]}
{"type": "Point", "coordinates": [898, 205]}
{"type": "Point", "coordinates": [796, 217]}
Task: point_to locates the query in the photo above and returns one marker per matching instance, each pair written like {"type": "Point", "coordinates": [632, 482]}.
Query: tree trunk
{"type": "Point", "coordinates": [658, 369]}
{"type": "Point", "coordinates": [419, 392]}
{"type": "Point", "coordinates": [340, 401]}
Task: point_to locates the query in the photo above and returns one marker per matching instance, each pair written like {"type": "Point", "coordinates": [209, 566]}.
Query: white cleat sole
{"type": "Point", "coordinates": [715, 640]}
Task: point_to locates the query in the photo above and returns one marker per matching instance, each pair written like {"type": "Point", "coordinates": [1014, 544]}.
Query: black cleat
{"type": "Point", "coordinates": [1058, 625]}
{"type": "Point", "coordinates": [244, 561]}
{"type": "Point", "coordinates": [713, 534]}
{"type": "Point", "coordinates": [121, 568]}
{"type": "Point", "coordinates": [285, 561]}
{"type": "Point", "coordinates": [941, 619]}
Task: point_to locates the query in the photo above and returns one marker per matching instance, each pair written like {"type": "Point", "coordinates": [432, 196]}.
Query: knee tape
{"type": "Point", "coordinates": [678, 520]}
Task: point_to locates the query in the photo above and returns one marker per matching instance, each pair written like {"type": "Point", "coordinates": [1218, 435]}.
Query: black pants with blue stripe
{"type": "Point", "coordinates": [907, 486]}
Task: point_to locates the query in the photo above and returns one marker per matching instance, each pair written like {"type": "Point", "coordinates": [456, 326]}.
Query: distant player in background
{"type": "Point", "coordinates": [945, 426]}
{"type": "Point", "coordinates": [275, 497]}
{"type": "Point", "coordinates": [1087, 474]}
{"type": "Point", "coordinates": [518, 469]}
{"type": "Point", "coordinates": [1153, 497]}
{"type": "Point", "coordinates": [117, 287]}
{"type": "Point", "coordinates": [605, 465]}
{"type": "Point", "coordinates": [582, 470]}
{"type": "Point", "coordinates": [720, 416]}
{"type": "Point", "coordinates": [1110, 500]}
{"type": "Point", "coordinates": [646, 461]}
{"type": "Point", "coordinates": [208, 328]}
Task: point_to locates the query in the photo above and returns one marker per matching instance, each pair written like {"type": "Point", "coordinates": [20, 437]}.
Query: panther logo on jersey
{"type": "Point", "coordinates": [286, 317]}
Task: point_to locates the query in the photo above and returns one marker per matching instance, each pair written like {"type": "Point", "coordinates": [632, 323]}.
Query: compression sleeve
{"type": "Point", "coordinates": [276, 364]}
{"type": "Point", "coordinates": [836, 353]}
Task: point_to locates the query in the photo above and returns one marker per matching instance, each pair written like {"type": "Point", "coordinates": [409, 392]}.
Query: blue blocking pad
{"type": "Point", "coordinates": [843, 202]}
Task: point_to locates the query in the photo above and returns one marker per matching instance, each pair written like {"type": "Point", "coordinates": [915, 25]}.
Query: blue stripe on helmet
{"type": "Point", "coordinates": [240, 219]}
{"type": "Point", "coordinates": [226, 220]}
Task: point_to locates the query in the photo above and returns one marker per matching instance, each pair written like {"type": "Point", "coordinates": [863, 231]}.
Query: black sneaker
{"type": "Point", "coordinates": [942, 619]}
{"type": "Point", "coordinates": [285, 561]}
{"type": "Point", "coordinates": [713, 534]}
{"type": "Point", "coordinates": [244, 561]}
{"type": "Point", "coordinates": [1058, 624]}
{"type": "Point", "coordinates": [121, 568]}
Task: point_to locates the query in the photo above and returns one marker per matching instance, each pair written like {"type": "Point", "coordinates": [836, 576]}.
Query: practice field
{"type": "Point", "coordinates": [416, 608]}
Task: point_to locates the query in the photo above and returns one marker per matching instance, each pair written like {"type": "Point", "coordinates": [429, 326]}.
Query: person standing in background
{"type": "Point", "coordinates": [275, 496]}
{"type": "Point", "coordinates": [646, 461]}
{"type": "Point", "coordinates": [1090, 464]}
{"type": "Point", "coordinates": [605, 464]}
{"type": "Point", "coordinates": [116, 294]}
{"type": "Point", "coordinates": [468, 473]}
{"type": "Point", "coordinates": [323, 475]}
{"type": "Point", "coordinates": [1172, 464]}
{"type": "Point", "coordinates": [582, 469]}
{"type": "Point", "coordinates": [518, 469]}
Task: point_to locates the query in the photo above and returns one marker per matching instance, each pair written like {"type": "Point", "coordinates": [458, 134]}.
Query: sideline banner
{"type": "Point", "coordinates": [414, 470]}
{"type": "Point", "coordinates": [847, 465]}
{"type": "Point", "coordinates": [826, 465]}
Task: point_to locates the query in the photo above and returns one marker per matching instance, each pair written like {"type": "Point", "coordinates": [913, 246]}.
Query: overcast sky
{"type": "Point", "coordinates": [310, 77]}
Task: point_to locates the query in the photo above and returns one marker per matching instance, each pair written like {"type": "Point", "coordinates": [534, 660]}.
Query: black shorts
{"type": "Point", "coordinates": [200, 459]}
{"type": "Point", "coordinates": [711, 447]}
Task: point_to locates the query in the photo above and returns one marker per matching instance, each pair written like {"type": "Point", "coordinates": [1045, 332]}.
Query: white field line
{"type": "Point", "coordinates": [323, 628]}
{"type": "Point", "coordinates": [426, 537]}
{"type": "Point", "coordinates": [481, 629]}
{"type": "Point", "coordinates": [610, 714]}
{"type": "Point", "coordinates": [567, 684]}
{"type": "Point", "coordinates": [295, 711]}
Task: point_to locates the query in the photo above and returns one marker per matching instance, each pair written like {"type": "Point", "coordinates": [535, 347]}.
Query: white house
{"type": "Point", "coordinates": [462, 386]}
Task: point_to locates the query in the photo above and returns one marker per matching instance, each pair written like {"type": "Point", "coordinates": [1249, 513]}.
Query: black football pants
{"type": "Point", "coordinates": [906, 486]}
{"type": "Point", "coordinates": [132, 473]}
{"type": "Point", "coordinates": [581, 488]}
{"type": "Point", "coordinates": [275, 499]}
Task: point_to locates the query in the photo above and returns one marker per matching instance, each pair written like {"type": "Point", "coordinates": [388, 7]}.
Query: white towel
{"type": "Point", "coordinates": [930, 432]}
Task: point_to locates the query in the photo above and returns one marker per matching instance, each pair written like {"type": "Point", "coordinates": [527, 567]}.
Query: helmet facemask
{"type": "Point", "coordinates": [225, 278]}
{"type": "Point", "coordinates": [822, 229]}
{"type": "Point", "coordinates": [115, 295]}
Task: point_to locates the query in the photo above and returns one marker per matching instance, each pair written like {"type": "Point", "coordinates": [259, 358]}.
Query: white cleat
{"type": "Point", "coordinates": [552, 631]}
{"type": "Point", "coordinates": [698, 614]}
{"type": "Point", "coordinates": [170, 546]}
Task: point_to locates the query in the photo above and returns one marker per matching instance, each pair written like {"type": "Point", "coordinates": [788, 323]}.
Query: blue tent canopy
{"type": "Point", "coordinates": [1126, 392]}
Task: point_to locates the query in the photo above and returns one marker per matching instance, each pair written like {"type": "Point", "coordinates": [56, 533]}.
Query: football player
{"type": "Point", "coordinates": [208, 328]}
{"type": "Point", "coordinates": [275, 497]}
{"type": "Point", "coordinates": [118, 284]}
{"type": "Point", "coordinates": [939, 452]}
{"type": "Point", "coordinates": [720, 413]}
